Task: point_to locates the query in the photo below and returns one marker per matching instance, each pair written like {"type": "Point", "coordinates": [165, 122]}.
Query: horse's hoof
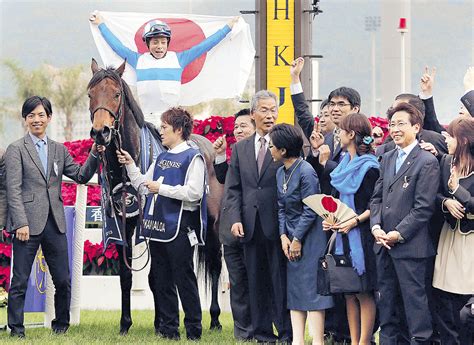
{"type": "Point", "coordinates": [125, 326]}
{"type": "Point", "coordinates": [215, 325]}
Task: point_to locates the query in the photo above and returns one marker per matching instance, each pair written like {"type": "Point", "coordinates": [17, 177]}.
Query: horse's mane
{"type": "Point", "coordinates": [111, 73]}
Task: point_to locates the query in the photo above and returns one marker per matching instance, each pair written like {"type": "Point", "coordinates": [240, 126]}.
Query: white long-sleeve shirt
{"type": "Point", "coordinates": [190, 193]}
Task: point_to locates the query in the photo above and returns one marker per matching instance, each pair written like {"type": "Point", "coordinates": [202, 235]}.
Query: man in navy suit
{"type": "Point", "coordinates": [401, 207]}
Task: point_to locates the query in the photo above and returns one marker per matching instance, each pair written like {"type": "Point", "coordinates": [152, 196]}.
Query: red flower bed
{"type": "Point", "coordinates": [215, 126]}
{"type": "Point", "coordinates": [96, 262]}
{"type": "Point", "coordinates": [79, 151]}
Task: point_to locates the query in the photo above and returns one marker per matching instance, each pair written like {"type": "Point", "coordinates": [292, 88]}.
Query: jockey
{"type": "Point", "coordinates": [159, 70]}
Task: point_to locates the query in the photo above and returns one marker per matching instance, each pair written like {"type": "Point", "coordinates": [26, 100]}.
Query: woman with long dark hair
{"type": "Point", "coordinates": [353, 182]}
{"type": "Point", "coordinates": [454, 267]}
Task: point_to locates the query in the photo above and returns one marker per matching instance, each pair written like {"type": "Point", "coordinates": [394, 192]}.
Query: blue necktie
{"type": "Point", "coordinates": [43, 155]}
{"type": "Point", "coordinates": [399, 161]}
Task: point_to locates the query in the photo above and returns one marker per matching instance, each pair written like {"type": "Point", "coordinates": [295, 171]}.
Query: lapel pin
{"type": "Point", "coordinates": [405, 183]}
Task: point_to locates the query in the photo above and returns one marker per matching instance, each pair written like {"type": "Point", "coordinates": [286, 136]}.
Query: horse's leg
{"type": "Point", "coordinates": [214, 309]}
{"type": "Point", "coordinates": [214, 255]}
{"type": "Point", "coordinates": [126, 281]}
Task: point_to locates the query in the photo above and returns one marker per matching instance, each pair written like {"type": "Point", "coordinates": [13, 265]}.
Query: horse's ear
{"type": "Point", "coordinates": [94, 66]}
{"type": "Point", "coordinates": [121, 68]}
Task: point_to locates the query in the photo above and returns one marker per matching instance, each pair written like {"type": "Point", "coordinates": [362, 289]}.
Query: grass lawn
{"type": "Point", "coordinates": [101, 327]}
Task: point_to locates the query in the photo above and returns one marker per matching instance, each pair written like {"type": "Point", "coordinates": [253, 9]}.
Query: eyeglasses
{"type": "Point", "coordinates": [398, 125]}
{"type": "Point", "coordinates": [268, 111]}
{"type": "Point", "coordinates": [339, 104]}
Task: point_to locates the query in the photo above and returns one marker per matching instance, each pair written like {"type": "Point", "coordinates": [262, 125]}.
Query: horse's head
{"type": "Point", "coordinates": [106, 102]}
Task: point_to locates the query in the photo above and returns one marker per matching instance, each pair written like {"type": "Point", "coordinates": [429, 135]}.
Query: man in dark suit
{"type": "Point", "coordinates": [35, 165]}
{"type": "Point", "coordinates": [400, 210]}
{"type": "Point", "coordinates": [252, 200]}
{"type": "Point", "coordinates": [234, 258]}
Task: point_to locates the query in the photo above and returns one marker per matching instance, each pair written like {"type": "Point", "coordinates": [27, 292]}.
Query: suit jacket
{"type": "Point", "coordinates": [468, 101]}
{"type": "Point", "coordinates": [431, 119]}
{"type": "Point", "coordinates": [249, 194]}
{"type": "Point", "coordinates": [464, 194]}
{"type": "Point", "coordinates": [426, 135]}
{"type": "Point", "coordinates": [3, 191]}
{"type": "Point", "coordinates": [306, 122]}
{"type": "Point", "coordinates": [405, 202]}
{"type": "Point", "coordinates": [31, 194]}
{"type": "Point", "coordinates": [221, 171]}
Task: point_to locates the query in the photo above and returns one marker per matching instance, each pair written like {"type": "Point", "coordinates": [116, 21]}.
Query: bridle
{"type": "Point", "coordinates": [116, 138]}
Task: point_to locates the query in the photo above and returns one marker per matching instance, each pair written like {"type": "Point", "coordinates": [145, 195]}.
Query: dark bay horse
{"type": "Point", "coordinates": [117, 120]}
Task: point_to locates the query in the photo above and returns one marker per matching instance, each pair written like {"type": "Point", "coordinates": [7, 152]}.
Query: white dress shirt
{"type": "Point", "coordinates": [190, 193]}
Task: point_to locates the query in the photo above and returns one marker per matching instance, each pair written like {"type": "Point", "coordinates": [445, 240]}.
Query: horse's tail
{"type": "Point", "coordinates": [210, 255]}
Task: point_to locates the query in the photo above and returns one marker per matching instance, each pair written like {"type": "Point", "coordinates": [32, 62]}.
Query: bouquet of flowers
{"type": "Point", "coordinates": [95, 262]}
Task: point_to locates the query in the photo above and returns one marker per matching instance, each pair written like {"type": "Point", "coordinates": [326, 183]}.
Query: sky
{"type": "Point", "coordinates": [442, 31]}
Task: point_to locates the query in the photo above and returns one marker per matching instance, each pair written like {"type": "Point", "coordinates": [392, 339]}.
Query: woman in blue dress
{"type": "Point", "coordinates": [302, 238]}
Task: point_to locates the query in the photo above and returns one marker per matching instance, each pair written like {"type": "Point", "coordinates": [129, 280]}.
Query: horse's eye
{"type": "Point", "coordinates": [117, 95]}
{"type": "Point", "coordinates": [89, 95]}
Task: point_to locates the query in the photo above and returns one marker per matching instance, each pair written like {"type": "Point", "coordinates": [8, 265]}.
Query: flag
{"type": "Point", "coordinates": [220, 73]}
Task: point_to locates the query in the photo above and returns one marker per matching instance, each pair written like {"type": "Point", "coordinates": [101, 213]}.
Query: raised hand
{"type": "Point", "coordinates": [316, 139]}
{"type": "Point", "coordinates": [232, 22]}
{"type": "Point", "coordinates": [220, 145]}
{"type": "Point", "coordinates": [96, 18]}
{"type": "Point", "coordinates": [427, 81]}
{"type": "Point", "coordinates": [295, 69]}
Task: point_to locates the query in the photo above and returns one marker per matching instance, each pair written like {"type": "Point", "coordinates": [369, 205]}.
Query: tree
{"type": "Point", "coordinates": [69, 91]}
{"type": "Point", "coordinates": [66, 87]}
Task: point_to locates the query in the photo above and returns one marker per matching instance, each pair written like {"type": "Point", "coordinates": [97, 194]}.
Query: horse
{"type": "Point", "coordinates": [117, 121]}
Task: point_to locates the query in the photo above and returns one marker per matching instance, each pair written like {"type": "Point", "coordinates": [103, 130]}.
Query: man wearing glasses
{"type": "Point", "coordinates": [325, 154]}
{"type": "Point", "coordinates": [251, 200]}
{"type": "Point", "coordinates": [401, 207]}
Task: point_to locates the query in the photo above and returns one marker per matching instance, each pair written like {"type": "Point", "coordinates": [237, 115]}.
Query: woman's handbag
{"type": "Point", "coordinates": [335, 272]}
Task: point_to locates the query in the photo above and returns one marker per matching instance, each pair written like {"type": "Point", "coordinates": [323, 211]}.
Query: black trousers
{"type": "Point", "coordinates": [174, 273]}
{"type": "Point", "coordinates": [403, 278]}
{"type": "Point", "coordinates": [266, 269]}
{"type": "Point", "coordinates": [451, 329]}
{"type": "Point", "coordinates": [54, 246]}
{"type": "Point", "coordinates": [239, 291]}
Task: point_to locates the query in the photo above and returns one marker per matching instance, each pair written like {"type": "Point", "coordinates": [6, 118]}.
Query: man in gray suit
{"type": "Point", "coordinates": [400, 210]}
{"type": "Point", "coordinates": [35, 165]}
